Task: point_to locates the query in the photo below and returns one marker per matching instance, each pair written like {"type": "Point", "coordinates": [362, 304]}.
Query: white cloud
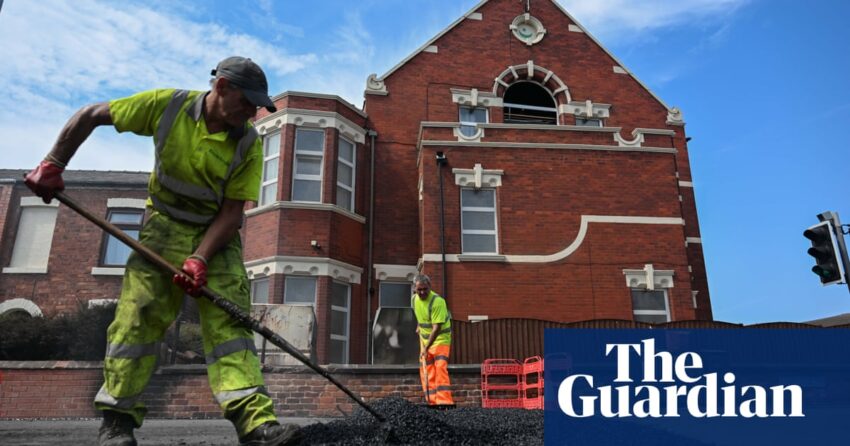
{"type": "Point", "coordinates": [614, 20]}
{"type": "Point", "coordinates": [58, 56]}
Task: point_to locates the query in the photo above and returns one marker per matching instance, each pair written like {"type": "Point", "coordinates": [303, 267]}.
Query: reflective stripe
{"type": "Point", "coordinates": [425, 325]}
{"type": "Point", "coordinates": [226, 396]}
{"type": "Point", "coordinates": [127, 351]}
{"type": "Point", "coordinates": [180, 214]}
{"type": "Point", "coordinates": [441, 358]}
{"type": "Point", "coordinates": [183, 188]}
{"type": "Point", "coordinates": [231, 346]}
{"type": "Point", "coordinates": [444, 388]}
{"type": "Point", "coordinates": [431, 391]}
{"type": "Point", "coordinates": [104, 397]}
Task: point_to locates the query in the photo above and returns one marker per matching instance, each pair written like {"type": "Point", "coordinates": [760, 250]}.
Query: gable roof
{"type": "Point", "coordinates": [561, 8]}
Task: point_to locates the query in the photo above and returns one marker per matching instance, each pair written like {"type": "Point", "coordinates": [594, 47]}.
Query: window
{"type": "Point", "coordinates": [260, 291]}
{"type": "Point", "coordinates": [529, 103]}
{"type": "Point", "coordinates": [470, 117]}
{"type": "Point", "coordinates": [307, 168]}
{"type": "Point", "coordinates": [478, 221]}
{"type": "Point", "coordinates": [271, 158]}
{"type": "Point", "coordinates": [588, 122]}
{"type": "Point", "coordinates": [115, 252]}
{"type": "Point", "coordinates": [395, 294]}
{"type": "Point", "coordinates": [340, 298]}
{"type": "Point", "coordinates": [650, 305]}
{"type": "Point", "coordinates": [300, 291]}
{"type": "Point", "coordinates": [345, 175]}
{"type": "Point", "coordinates": [34, 237]}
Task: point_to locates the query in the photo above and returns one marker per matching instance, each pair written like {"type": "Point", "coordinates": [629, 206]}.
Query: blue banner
{"type": "Point", "coordinates": [697, 387]}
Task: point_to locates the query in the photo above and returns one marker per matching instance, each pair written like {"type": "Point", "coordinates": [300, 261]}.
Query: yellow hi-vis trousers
{"type": "Point", "coordinates": [434, 374]}
{"type": "Point", "coordinates": [148, 305]}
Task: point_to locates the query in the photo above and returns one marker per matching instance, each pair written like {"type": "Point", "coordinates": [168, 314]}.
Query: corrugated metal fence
{"type": "Point", "coordinates": [473, 342]}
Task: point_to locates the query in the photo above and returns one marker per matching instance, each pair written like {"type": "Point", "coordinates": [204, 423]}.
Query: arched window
{"type": "Point", "coordinates": [529, 103]}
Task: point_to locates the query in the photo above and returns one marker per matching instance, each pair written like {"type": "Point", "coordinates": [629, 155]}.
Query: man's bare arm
{"type": "Point", "coordinates": [77, 129]}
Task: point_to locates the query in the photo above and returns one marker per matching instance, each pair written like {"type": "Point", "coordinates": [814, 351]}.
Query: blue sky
{"type": "Point", "coordinates": [763, 85]}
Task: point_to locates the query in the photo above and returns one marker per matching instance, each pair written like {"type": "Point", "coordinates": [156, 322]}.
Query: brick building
{"type": "Point", "coordinates": [511, 157]}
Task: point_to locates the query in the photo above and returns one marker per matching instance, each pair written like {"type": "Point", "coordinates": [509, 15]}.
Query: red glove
{"type": "Point", "coordinates": [45, 180]}
{"type": "Point", "coordinates": [195, 277]}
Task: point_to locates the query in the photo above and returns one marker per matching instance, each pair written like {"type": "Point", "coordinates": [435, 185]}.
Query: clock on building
{"type": "Point", "coordinates": [528, 29]}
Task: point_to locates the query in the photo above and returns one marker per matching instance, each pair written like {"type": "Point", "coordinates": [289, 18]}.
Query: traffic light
{"type": "Point", "coordinates": [825, 250]}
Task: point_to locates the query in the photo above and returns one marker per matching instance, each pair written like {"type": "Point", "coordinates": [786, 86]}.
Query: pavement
{"type": "Point", "coordinates": [153, 433]}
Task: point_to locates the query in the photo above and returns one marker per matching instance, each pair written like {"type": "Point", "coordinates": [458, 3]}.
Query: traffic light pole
{"type": "Point", "coordinates": [839, 238]}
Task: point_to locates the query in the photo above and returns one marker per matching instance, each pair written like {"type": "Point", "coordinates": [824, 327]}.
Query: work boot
{"type": "Point", "coordinates": [116, 429]}
{"type": "Point", "coordinates": [272, 434]}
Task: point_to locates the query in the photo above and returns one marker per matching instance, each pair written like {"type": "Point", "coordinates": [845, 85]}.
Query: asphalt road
{"type": "Point", "coordinates": [152, 433]}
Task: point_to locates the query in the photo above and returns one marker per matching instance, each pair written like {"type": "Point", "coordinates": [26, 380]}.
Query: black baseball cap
{"type": "Point", "coordinates": [249, 77]}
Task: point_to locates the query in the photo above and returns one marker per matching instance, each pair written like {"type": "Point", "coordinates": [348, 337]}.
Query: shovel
{"type": "Point", "coordinates": [219, 301]}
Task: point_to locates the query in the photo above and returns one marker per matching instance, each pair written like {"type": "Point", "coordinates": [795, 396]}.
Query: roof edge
{"type": "Point", "coordinates": [305, 94]}
{"type": "Point", "coordinates": [432, 40]}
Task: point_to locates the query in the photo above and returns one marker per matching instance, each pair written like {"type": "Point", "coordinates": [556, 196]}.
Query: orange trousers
{"type": "Point", "coordinates": [434, 374]}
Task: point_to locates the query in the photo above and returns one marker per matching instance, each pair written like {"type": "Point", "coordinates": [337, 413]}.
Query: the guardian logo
{"type": "Point", "coordinates": [678, 383]}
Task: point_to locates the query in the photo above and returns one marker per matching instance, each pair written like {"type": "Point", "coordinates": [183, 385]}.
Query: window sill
{"type": "Point", "coordinates": [481, 258]}
{"type": "Point", "coordinates": [107, 271]}
{"type": "Point", "coordinates": [24, 270]}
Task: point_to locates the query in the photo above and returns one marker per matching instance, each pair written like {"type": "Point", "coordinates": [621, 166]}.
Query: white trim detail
{"type": "Point", "coordinates": [689, 240]}
{"type": "Point", "coordinates": [475, 98]}
{"type": "Point", "coordinates": [582, 233]}
{"type": "Point", "coordinates": [620, 70]}
{"type": "Point", "coordinates": [132, 203]}
{"type": "Point", "coordinates": [37, 202]}
{"type": "Point", "coordinates": [102, 271]}
{"type": "Point", "coordinates": [574, 28]}
{"type": "Point", "coordinates": [556, 128]}
{"type": "Point", "coordinates": [648, 278]}
{"type": "Point", "coordinates": [475, 16]}
{"type": "Point", "coordinates": [24, 270]}
{"type": "Point", "coordinates": [475, 137]}
{"type": "Point", "coordinates": [478, 177]}
{"type": "Point", "coordinates": [674, 117]}
{"type": "Point", "coordinates": [395, 272]}
{"type": "Point", "coordinates": [586, 109]}
{"type": "Point", "coordinates": [550, 75]}
{"type": "Point", "coordinates": [686, 184]}
{"type": "Point", "coordinates": [277, 205]}
{"type": "Point", "coordinates": [375, 85]}
{"type": "Point", "coordinates": [694, 297]}
{"type": "Point", "coordinates": [20, 304]}
{"type": "Point", "coordinates": [304, 266]}
{"type": "Point", "coordinates": [431, 49]}
{"type": "Point", "coordinates": [477, 317]}
{"type": "Point", "coordinates": [311, 118]}
{"type": "Point", "coordinates": [534, 145]}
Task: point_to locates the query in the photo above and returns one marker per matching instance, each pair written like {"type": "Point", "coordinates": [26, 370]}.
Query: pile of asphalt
{"type": "Point", "coordinates": [414, 424]}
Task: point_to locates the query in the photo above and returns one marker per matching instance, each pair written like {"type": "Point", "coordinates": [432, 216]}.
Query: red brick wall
{"type": "Point", "coordinates": [74, 252]}
{"type": "Point", "coordinates": [66, 390]}
{"type": "Point", "coordinates": [544, 192]}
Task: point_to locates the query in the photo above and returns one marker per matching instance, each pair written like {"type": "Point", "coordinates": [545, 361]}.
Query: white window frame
{"type": "Point", "coordinates": [394, 282]}
{"type": "Point", "coordinates": [494, 232]}
{"type": "Point", "coordinates": [124, 227]}
{"type": "Point", "coordinates": [17, 254]}
{"type": "Point", "coordinates": [266, 159]}
{"type": "Point", "coordinates": [347, 311]}
{"type": "Point", "coordinates": [254, 283]}
{"type": "Point", "coordinates": [472, 124]}
{"type": "Point", "coordinates": [665, 312]}
{"type": "Point", "coordinates": [286, 290]}
{"type": "Point", "coordinates": [308, 154]}
{"type": "Point", "coordinates": [352, 165]}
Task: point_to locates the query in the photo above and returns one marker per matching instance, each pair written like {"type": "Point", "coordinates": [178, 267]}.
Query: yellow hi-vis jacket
{"type": "Point", "coordinates": [429, 311]}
